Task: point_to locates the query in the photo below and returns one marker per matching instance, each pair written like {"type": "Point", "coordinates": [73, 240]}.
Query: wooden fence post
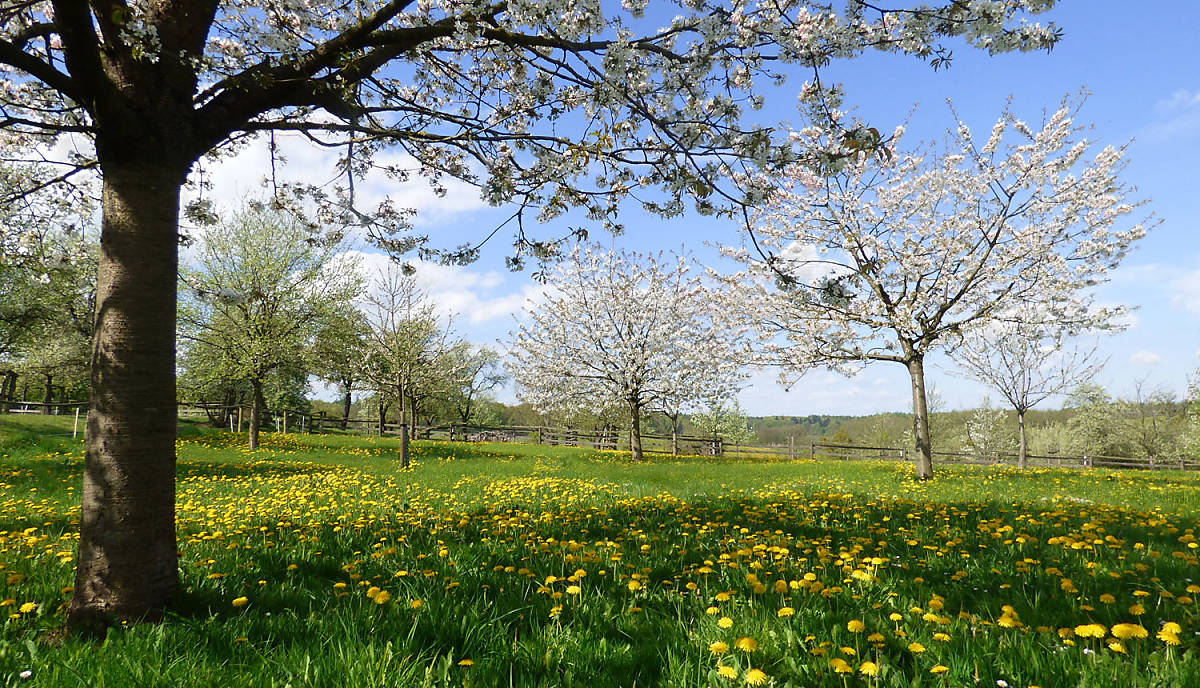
{"type": "Point", "coordinates": [812, 451]}
{"type": "Point", "coordinates": [239, 419]}
{"type": "Point", "coordinates": [791, 448]}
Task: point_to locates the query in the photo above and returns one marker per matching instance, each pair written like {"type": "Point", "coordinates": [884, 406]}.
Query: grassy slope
{"type": "Point", "coordinates": [463, 543]}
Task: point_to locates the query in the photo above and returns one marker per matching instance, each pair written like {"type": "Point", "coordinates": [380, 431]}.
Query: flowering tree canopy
{"type": "Point", "coordinates": [889, 259]}
{"type": "Point", "coordinates": [628, 329]}
{"type": "Point", "coordinates": [547, 105]}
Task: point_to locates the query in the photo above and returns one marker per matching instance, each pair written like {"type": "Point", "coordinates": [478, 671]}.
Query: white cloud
{"type": "Point", "coordinates": [1144, 357]}
{"type": "Point", "coordinates": [1185, 291]}
{"type": "Point", "coordinates": [298, 160]}
{"type": "Point", "coordinates": [1178, 118]}
{"type": "Point", "coordinates": [471, 296]}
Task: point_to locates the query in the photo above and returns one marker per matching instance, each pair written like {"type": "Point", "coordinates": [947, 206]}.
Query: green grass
{"type": "Point", "coordinates": [559, 566]}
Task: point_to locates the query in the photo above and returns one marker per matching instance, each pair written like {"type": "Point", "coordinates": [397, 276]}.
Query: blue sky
{"type": "Point", "coordinates": [1143, 73]}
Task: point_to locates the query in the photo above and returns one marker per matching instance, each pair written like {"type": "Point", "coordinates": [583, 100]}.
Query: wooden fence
{"type": "Point", "coordinates": [290, 420]}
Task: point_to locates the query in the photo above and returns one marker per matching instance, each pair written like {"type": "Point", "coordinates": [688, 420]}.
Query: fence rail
{"type": "Point", "coordinates": [290, 420]}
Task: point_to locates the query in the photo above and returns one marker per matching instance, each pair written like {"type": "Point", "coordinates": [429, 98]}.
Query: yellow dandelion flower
{"type": "Point", "coordinates": [868, 669]}
{"type": "Point", "coordinates": [916, 648]}
{"type": "Point", "coordinates": [840, 666]}
{"type": "Point", "coordinates": [464, 662]}
{"type": "Point", "coordinates": [1167, 637]}
{"type": "Point", "coordinates": [573, 589]}
{"type": "Point", "coordinates": [1117, 646]}
{"type": "Point", "coordinates": [1107, 599]}
{"type": "Point", "coordinates": [725, 622]}
{"type": "Point", "coordinates": [855, 626]}
{"type": "Point", "coordinates": [939, 669]}
{"type": "Point", "coordinates": [755, 677]}
{"type": "Point", "coordinates": [241, 601]}
{"type": "Point", "coordinates": [27, 607]}
{"type": "Point", "coordinates": [1125, 631]}
{"type": "Point", "coordinates": [727, 671]}
{"type": "Point", "coordinates": [718, 647]}
{"type": "Point", "coordinates": [1137, 609]}
{"type": "Point", "coordinates": [746, 644]}
{"type": "Point", "coordinates": [785, 611]}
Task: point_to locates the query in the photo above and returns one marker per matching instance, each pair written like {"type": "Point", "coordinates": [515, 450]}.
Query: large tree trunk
{"type": "Point", "coordinates": [127, 567]}
{"type": "Point", "coordinates": [635, 430]}
{"type": "Point", "coordinates": [916, 370]}
{"type": "Point", "coordinates": [257, 405]}
{"type": "Point", "coordinates": [346, 408]}
{"type": "Point", "coordinates": [674, 433]}
{"type": "Point", "coordinates": [1022, 446]}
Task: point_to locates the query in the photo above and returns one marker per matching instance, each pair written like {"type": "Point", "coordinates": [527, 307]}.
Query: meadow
{"type": "Point", "coordinates": [316, 561]}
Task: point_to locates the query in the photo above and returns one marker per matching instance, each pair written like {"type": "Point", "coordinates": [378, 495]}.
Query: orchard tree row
{"type": "Point", "coordinates": [545, 107]}
{"type": "Point", "coordinates": [267, 304]}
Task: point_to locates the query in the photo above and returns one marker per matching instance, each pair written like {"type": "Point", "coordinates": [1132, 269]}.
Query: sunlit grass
{"type": "Point", "coordinates": [316, 561]}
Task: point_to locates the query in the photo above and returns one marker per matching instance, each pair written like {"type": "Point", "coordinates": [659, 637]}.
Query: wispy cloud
{"type": "Point", "coordinates": [1145, 358]}
{"type": "Point", "coordinates": [471, 296]}
{"type": "Point", "coordinates": [1177, 118]}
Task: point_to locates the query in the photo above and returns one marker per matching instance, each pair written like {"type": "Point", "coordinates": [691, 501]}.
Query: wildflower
{"type": "Point", "coordinates": [634, 586]}
{"type": "Point", "coordinates": [27, 607]}
{"type": "Point", "coordinates": [916, 648]}
{"type": "Point", "coordinates": [1107, 599]}
{"type": "Point", "coordinates": [240, 601]}
{"type": "Point", "coordinates": [939, 669]}
{"type": "Point", "coordinates": [1125, 631]}
{"type": "Point", "coordinates": [1167, 637]}
{"type": "Point", "coordinates": [840, 666]}
{"type": "Point", "coordinates": [725, 622]}
{"type": "Point", "coordinates": [1117, 646]}
{"type": "Point", "coordinates": [1137, 609]}
{"type": "Point", "coordinates": [718, 647]}
{"type": "Point", "coordinates": [383, 597]}
{"type": "Point", "coordinates": [868, 669]}
{"type": "Point", "coordinates": [855, 626]}
{"type": "Point", "coordinates": [727, 671]}
{"type": "Point", "coordinates": [785, 611]}
{"type": "Point", "coordinates": [746, 644]}
{"type": "Point", "coordinates": [573, 590]}
{"type": "Point", "coordinates": [1091, 631]}
{"type": "Point", "coordinates": [755, 677]}
{"type": "Point", "coordinates": [464, 662]}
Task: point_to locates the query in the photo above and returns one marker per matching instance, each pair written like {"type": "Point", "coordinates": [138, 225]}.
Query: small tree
{"type": "Point", "coordinates": [723, 420]}
{"type": "Point", "coordinates": [1096, 427]}
{"type": "Point", "coordinates": [407, 350]}
{"type": "Point", "coordinates": [260, 291]}
{"type": "Point", "coordinates": [621, 328]}
{"type": "Point", "coordinates": [986, 434]}
{"type": "Point", "coordinates": [479, 372]}
{"type": "Point", "coordinates": [889, 259]}
{"type": "Point", "coordinates": [338, 353]}
{"type": "Point", "coordinates": [1026, 364]}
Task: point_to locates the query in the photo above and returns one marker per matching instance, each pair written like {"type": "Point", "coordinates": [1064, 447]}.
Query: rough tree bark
{"type": "Point", "coordinates": [916, 370]}
{"type": "Point", "coordinates": [126, 567]}
{"type": "Point", "coordinates": [346, 408]}
{"type": "Point", "coordinates": [635, 429]}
